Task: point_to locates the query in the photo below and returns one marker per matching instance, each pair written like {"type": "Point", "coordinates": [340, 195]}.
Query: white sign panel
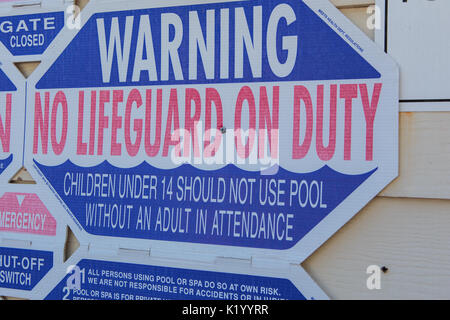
{"type": "Point", "coordinates": [100, 277]}
{"type": "Point", "coordinates": [262, 126]}
{"type": "Point", "coordinates": [417, 45]}
{"type": "Point", "coordinates": [32, 239]}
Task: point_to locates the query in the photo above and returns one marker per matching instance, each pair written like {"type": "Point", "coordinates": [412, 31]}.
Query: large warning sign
{"type": "Point", "coordinates": [263, 125]}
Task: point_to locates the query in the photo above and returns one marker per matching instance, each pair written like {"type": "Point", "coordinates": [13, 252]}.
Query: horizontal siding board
{"type": "Point", "coordinates": [359, 17]}
{"type": "Point", "coordinates": [408, 236]}
{"type": "Point", "coordinates": [424, 156]}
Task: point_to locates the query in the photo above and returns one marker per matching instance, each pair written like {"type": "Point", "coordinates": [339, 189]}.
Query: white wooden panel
{"type": "Point", "coordinates": [424, 156]}
{"type": "Point", "coordinates": [417, 40]}
{"type": "Point", "coordinates": [409, 236]}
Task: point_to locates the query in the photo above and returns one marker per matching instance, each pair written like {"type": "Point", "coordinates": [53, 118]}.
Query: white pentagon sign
{"type": "Point", "coordinates": [102, 277]}
{"type": "Point", "coordinates": [32, 240]}
{"type": "Point", "coordinates": [241, 129]}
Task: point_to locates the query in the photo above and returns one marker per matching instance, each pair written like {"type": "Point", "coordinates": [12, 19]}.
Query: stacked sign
{"type": "Point", "coordinates": [31, 236]}
{"type": "Point", "coordinates": [12, 112]}
{"type": "Point", "coordinates": [32, 240]}
{"type": "Point", "coordinates": [205, 150]}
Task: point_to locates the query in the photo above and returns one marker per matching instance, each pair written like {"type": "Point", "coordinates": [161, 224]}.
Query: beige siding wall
{"type": "Point", "coordinates": [405, 229]}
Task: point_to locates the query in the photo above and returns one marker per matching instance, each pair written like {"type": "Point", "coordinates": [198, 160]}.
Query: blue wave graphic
{"type": "Point", "coordinates": [229, 206]}
{"type": "Point", "coordinates": [5, 163]}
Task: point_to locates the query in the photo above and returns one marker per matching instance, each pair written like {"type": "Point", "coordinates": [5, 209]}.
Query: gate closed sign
{"type": "Point", "coordinates": [257, 125]}
{"type": "Point", "coordinates": [27, 29]}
